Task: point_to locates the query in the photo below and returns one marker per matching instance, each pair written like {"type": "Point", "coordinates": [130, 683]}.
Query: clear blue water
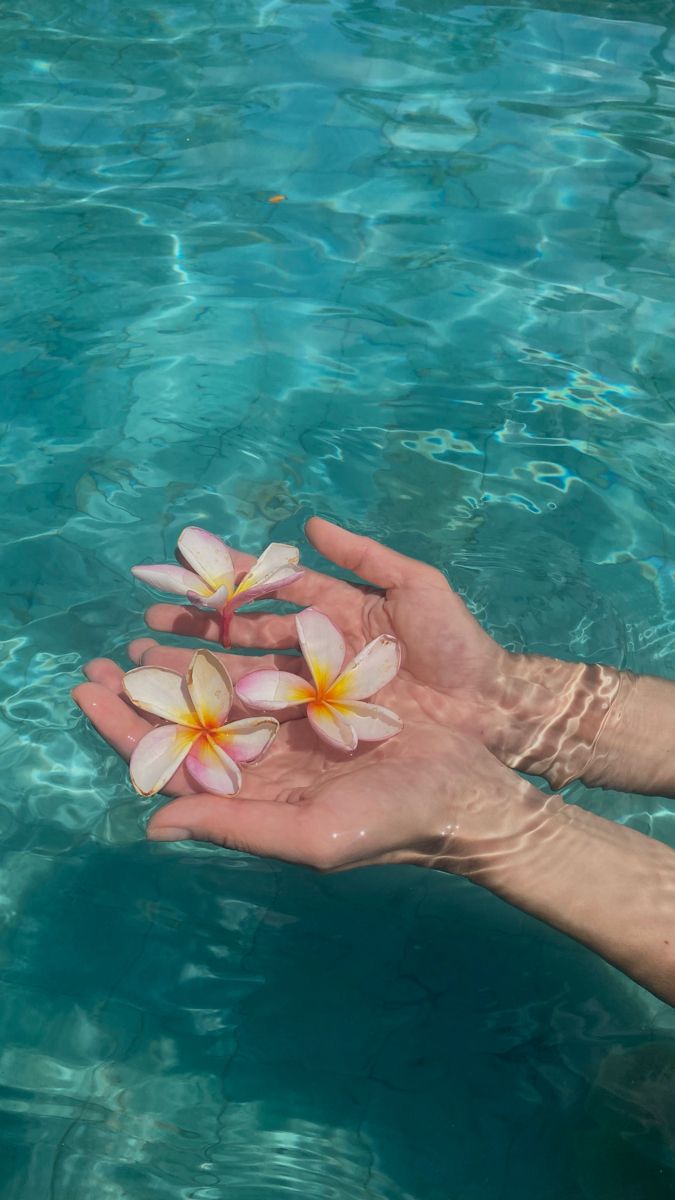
{"type": "Point", "coordinates": [455, 333]}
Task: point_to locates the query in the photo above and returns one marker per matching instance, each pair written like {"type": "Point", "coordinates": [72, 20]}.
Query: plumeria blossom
{"type": "Point", "coordinates": [334, 697]}
{"type": "Point", "coordinates": [212, 582]}
{"type": "Point", "coordinates": [197, 705]}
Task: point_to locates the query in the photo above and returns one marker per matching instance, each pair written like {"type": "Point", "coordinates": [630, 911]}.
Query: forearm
{"type": "Point", "coordinates": [603, 884]}
{"type": "Point", "coordinates": [569, 721]}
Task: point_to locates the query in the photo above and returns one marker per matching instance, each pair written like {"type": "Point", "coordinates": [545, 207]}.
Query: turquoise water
{"type": "Point", "coordinates": [456, 333]}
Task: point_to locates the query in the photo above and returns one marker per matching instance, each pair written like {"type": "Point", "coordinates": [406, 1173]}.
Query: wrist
{"type": "Point", "coordinates": [634, 750]}
{"type": "Point", "coordinates": [553, 715]}
{"type": "Point", "coordinates": [498, 813]}
{"type": "Point", "coordinates": [504, 866]}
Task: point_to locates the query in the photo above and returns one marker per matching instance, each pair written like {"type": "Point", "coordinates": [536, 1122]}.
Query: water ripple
{"type": "Point", "coordinates": [455, 333]}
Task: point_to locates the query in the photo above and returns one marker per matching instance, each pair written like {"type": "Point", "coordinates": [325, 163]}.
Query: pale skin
{"type": "Point", "coordinates": [439, 794]}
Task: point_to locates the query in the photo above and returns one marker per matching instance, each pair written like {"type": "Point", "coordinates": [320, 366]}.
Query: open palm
{"type": "Point", "coordinates": [383, 803]}
{"type": "Point", "coordinates": [451, 667]}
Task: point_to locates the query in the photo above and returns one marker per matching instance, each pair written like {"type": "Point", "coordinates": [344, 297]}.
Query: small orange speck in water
{"type": "Point", "coordinates": [276, 199]}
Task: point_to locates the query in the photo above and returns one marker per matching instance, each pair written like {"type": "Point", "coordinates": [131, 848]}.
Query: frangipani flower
{"type": "Point", "coordinates": [197, 706]}
{"type": "Point", "coordinates": [335, 697]}
{"type": "Point", "coordinates": [212, 581]}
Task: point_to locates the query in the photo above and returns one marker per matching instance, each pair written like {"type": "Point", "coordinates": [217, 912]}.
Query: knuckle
{"type": "Point", "coordinates": [152, 657]}
{"type": "Point", "coordinates": [435, 576]}
{"type": "Point", "coordinates": [363, 552]}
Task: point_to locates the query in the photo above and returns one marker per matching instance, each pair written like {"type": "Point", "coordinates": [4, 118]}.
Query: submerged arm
{"type": "Point", "coordinates": [609, 728]}
{"type": "Point", "coordinates": [463, 812]}
{"type": "Point", "coordinates": [604, 884]}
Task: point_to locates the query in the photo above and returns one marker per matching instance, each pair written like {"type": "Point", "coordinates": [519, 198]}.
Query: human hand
{"type": "Point", "coordinates": [453, 676]}
{"type": "Point", "coordinates": [435, 795]}
{"type": "Point", "coordinates": [451, 667]}
{"type": "Point", "coordinates": [385, 803]}
{"type": "Point", "coordinates": [429, 796]}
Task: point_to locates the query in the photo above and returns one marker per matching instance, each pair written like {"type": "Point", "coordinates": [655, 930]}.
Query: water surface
{"type": "Point", "coordinates": [455, 333]}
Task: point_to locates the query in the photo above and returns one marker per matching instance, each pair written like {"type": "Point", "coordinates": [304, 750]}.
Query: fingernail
{"type": "Point", "coordinates": [168, 833]}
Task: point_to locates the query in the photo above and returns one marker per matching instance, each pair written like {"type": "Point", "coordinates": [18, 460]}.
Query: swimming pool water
{"type": "Point", "coordinates": [455, 333]}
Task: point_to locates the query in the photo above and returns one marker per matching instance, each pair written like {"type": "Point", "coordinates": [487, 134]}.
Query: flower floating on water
{"type": "Point", "coordinates": [335, 697]}
{"type": "Point", "coordinates": [197, 706]}
{"type": "Point", "coordinates": [212, 581]}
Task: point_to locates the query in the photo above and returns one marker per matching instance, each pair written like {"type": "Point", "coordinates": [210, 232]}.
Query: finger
{"type": "Point", "coordinates": [260, 632]}
{"type": "Point", "coordinates": [139, 647]}
{"type": "Point", "coordinates": [252, 826]}
{"type": "Point", "coordinates": [120, 725]}
{"type": "Point", "coordinates": [105, 672]}
{"type": "Point", "coordinates": [264, 631]}
{"type": "Point", "coordinates": [364, 556]}
{"type": "Point", "coordinates": [315, 589]}
{"type": "Point", "coordinates": [146, 652]}
{"type": "Point", "coordinates": [183, 620]}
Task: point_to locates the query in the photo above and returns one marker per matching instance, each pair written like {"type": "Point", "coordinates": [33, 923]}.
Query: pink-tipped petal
{"type": "Point", "coordinates": [210, 689]}
{"type": "Point", "coordinates": [272, 689]}
{"type": "Point", "coordinates": [281, 579]}
{"type": "Point", "coordinates": [197, 600]}
{"type": "Point", "coordinates": [273, 567]}
{"type": "Point", "coordinates": [161, 692]}
{"type": "Point", "coordinates": [214, 600]}
{"type": "Point", "coordinates": [246, 741]}
{"type": "Point", "coordinates": [175, 580]}
{"type": "Point", "coordinates": [370, 722]}
{"type": "Point", "coordinates": [331, 726]}
{"type": "Point", "coordinates": [208, 556]}
{"type": "Point", "coordinates": [212, 769]}
{"type": "Point", "coordinates": [374, 666]}
{"type": "Point", "coordinates": [158, 756]}
{"type": "Point", "coordinates": [322, 646]}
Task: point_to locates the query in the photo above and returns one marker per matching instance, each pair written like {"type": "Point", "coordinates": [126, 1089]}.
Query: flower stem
{"type": "Point", "coordinates": [225, 622]}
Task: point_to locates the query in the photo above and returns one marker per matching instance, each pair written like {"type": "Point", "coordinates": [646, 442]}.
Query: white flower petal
{"type": "Point", "coordinates": [208, 556]}
{"type": "Point", "coordinates": [213, 769]}
{"type": "Point", "coordinates": [247, 740]}
{"type": "Point", "coordinates": [331, 726]}
{"type": "Point", "coordinates": [215, 601]}
{"type": "Point", "coordinates": [370, 722]}
{"type": "Point", "coordinates": [281, 579]}
{"type": "Point", "coordinates": [161, 692]}
{"type": "Point", "coordinates": [273, 567]}
{"type": "Point", "coordinates": [158, 756]}
{"type": "Point", "coordinates": [322, 645]}
{"type": "Point", "coordinates": [173, 579]}
{"type": "Point", "coordinates": [210, 689]}
{"type": "Point", "coordinates": [375, 666]}
{"type": "Point", "coordinates": [272, 689]}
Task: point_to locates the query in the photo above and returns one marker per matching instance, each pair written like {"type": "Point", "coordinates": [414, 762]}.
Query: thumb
{"type": "Point", "coordinates": [266, 827]}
